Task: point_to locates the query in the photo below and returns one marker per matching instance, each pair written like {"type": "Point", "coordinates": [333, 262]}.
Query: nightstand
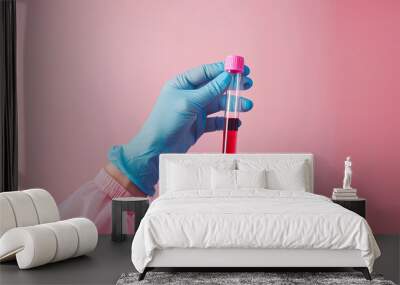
{"type": "Point", "coordinates": [119, 205]}
{"type": "Point", "coordinates": [358, 206]}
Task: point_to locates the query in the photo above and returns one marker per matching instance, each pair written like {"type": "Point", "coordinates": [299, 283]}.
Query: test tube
{"type": "Point", "coordinates": [234, 64]}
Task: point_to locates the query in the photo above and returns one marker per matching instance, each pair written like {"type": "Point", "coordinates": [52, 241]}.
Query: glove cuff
{"type": "Point", "coordinates": [141, 170]}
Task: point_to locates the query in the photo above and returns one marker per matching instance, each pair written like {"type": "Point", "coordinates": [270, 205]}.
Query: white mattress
{"type": "Point", "coordinates": [252, 218]}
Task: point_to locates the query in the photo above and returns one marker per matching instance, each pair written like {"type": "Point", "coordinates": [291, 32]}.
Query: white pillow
{"type": "Point", "coordinates": [188, 175]}
{"type": "Point", "coordinates": [251, 178]}
{"type": "Point", "coordinates": [235, 179]}
{"type": "Point", "coordinates": [223, 179]}
{"type": "Point", "coordinates": [183, 178]}
{"type": "Point", "coordinates": [282, 174]}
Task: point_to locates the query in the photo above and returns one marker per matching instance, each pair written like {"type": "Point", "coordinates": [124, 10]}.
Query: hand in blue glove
{"type": "Point", "coordinates": [178, 119]}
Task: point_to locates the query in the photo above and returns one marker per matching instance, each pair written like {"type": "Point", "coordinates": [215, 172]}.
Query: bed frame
{"type": "Point", "coordinates": [246, 259]}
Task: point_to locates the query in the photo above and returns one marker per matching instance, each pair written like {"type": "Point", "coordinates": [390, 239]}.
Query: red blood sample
{"type": "Point", "coordinates": [230, 135]}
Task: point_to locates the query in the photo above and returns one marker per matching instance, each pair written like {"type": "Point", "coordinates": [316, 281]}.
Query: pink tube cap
{"type": "Point", "coordinates": [234, 63]}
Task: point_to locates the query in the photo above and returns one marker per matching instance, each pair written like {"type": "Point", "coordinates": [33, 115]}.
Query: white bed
{"type": "Point", "coordinates": [198, 223]}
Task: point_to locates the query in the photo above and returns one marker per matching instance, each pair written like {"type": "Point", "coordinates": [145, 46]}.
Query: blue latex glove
{"type": "Point", "coordinates": [177, 121]}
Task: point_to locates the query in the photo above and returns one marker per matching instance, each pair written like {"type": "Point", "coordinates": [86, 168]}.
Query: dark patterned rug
{"type": "Point", "coordinates": [269, 278]}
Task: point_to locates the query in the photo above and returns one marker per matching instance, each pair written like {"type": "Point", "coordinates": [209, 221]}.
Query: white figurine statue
{"type": "Point", "coordinates": [347, 173]}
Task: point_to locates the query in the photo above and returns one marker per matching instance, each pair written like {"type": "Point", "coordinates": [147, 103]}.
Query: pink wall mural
{"type": "Point", "coordinates": [325, 81]}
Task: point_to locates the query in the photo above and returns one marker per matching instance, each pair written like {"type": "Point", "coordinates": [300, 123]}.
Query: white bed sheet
{"type": "Point", "coordinates": [250, 218]}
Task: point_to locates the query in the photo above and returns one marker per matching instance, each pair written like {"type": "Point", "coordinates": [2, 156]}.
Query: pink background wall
{"type": "Point", "coordinates": [326, 81]}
